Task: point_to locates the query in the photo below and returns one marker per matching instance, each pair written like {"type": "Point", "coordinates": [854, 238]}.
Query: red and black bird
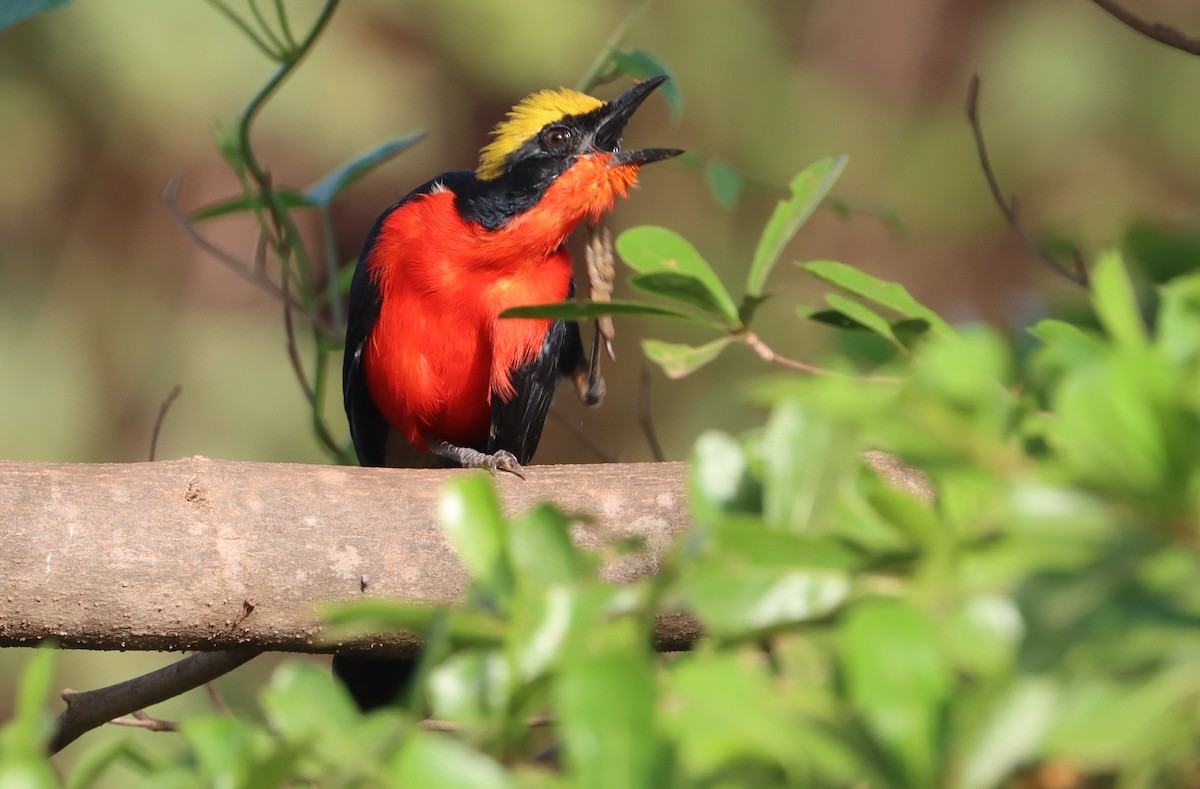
{"type": "Point", "coordinates": [427, 355]}
{"type": "Point", "coordinates": [428, 358]}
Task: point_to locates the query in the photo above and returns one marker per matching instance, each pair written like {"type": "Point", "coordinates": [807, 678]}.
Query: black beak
{"type": "Point", "coordinates": [614, 116]}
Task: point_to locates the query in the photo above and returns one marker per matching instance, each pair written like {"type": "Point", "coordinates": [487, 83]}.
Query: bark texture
{"type": "Point", "coordinates": [204, 554]}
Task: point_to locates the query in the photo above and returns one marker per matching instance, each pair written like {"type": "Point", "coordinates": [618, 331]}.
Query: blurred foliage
{"type": "Point", "coordinates": [1038, 621]}
{"type": "Point", "coordinates": [1036, 624]}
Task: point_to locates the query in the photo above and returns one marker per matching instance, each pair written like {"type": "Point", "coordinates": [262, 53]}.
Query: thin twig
{"type": "Point", "coordinates": [1009, 207]}
{"type": "Point", "coordinates": [768, 354]}
{"type": "Point", "coordinates": [1163, 34]}
{"type": "Point", "coordinates": [253, 273]}
{"type": "Point", "coordinates": [92, 708]}
{"type": "Point", "coordinates": [162, 415]}
{"type": "Point", "coordinates": [242, 25]}
{"type": "Point", "coordinates": [140, 720]}
{"type": "Point", "coordinates": [582, 436]}
{"type": "Point", "coordinates": [214, 698]}
{"type": "Point", "coordinates": [268, 33]}
{"type": "Point", "coordinates": [645, 415]}
{"type": "Point", "coordinates": [293, 350]}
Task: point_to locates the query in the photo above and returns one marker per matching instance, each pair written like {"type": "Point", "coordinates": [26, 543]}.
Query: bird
{"type": "Point", "coordinates": [431, 374]}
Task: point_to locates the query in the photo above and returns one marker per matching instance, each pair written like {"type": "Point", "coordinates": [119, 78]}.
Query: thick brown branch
{"type": "Point", "coordinates": [1009, 207]}
{"type": "Point", "coordinates": [89, 709]}
{"type": "Point", "coordinates": [1164, 34]}
{"type": "Point", "coordinates": [203, 554]}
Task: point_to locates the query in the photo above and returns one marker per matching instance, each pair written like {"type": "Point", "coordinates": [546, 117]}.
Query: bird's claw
{"type": "Point", "coordinates": [504, 460]}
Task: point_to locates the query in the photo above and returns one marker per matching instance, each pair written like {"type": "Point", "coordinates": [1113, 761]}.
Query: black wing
{"type": "Point", "coordinates": [517, 424]}
{"type": "Point", "coordinates": [368, 427]}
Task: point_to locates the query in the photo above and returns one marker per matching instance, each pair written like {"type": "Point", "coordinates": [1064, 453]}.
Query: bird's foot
{"type": "Point", "coordinates": [501, 460]}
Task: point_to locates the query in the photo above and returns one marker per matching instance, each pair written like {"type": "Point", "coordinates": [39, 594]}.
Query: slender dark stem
{"type": "Point", "coordinates": [253, 272]}
{"type": "Point", "coordinates": [284, 27]}
{"type": "Point", "coordinates": [162, 415]}
{"type": "Point", "coordinates": [1009, 207]}
{"type": "Point", "coordinates": [768, 354]}
{"type": "Point", "coordinates": [1163, 34]}
{"type": "Point", "coordinates": [333, 295]}
{"type": "Point", "coordinates": [248, 31]}
{"type": "Point", "coordinates": [646, 415]}
{"type": "Point", "coordinates": [268, 33]}
{"type": "Point", "coordinates": [599, 67]}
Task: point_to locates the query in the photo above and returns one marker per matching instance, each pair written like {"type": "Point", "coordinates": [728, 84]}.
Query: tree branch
{"type": "Point", "coordinates": [1164, 34]}
{"type": "Point", "coordinates": [201, 554]}
{"type": "Point", "coordinates": [85, 711]}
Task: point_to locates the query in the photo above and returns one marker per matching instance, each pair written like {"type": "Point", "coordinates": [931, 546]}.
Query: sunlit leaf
{"type": "Point", "coordinates": [649, 249]}
{"type": "Point", "coordinates": [469, 511]}
{"type": "Point", "coordinates": [606, 705]}
{"type": "Point", "coordinates": [897, 677]}
{"type": "Point", "coordinates": [436, 759]}
{"type": "Point", "coordinates": [887, 294]}
{"type": "Point", "coordinates": [678, 287]}
{"type": "Point", "coordinates": [1115, 301]}
{"type": "Point", "coordinates": [679, 359]}
{"type": "Point", "coordinates": [808, 189]}
{"type": "Point", "coordinates": [1179, 319]}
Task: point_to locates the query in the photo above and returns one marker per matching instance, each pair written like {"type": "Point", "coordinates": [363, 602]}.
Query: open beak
{"type": "Point", "coordinates": [616, 114]}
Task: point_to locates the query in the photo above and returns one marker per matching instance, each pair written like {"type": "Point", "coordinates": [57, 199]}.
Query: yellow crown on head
{"type": "Point", "coordinates": [526, 119]}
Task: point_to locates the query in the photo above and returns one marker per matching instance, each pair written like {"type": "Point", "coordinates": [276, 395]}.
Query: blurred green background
{"type": "Point", "coordinates": [105, 304]}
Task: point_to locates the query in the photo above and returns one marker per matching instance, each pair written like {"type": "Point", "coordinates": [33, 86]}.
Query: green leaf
{"type": "Point", "coordinates": [679, 287]}
{"type": "Point", "coordinates": [25, 734]}
{"type": "Point", "coordinates": [469, 511]}
{"type": "Point", "coordinates": [834, 318]}
{"type": "Point", "coordinates": [719, 479]}
{"type": "Point", "coordinates": [304, 704]}
{"type": "Point", "coordinates": [235, 205]}
{"type": "Point", "coordinates": [897, 677]}
{"type": "Point", "coordinates": [570, 311]}
{"type": "Point", "coordinates": [94, 761]}
{"type": "Point", "coordinates": [736, 599]}
{"type": "Point", "coordinates": [649, 249]}
{"type": "Point", "coordinates": [679, 359]}
{"type": "Point", "coordinates": [888, 294]}
{"type": "Point", "coordinates": [806, 455]}
{"type": "Point", "coordinates": [435, 759]}
{"type": "Point", "coordinates": [541, 550]}
{"type": "Point", "coordinates": [719, 709]}
{"type": "Point", "coordinates": [640, 64]}
{"type": "Point", "coordinates": [808, 189]}
{"type": "Point", "coordinates": [1011, 735]}
{"type": "Point", "coordinates": [606, 703]}
{"type": "Point", "coordinates": [864, 316]}
{"type": "Point", "coordinates": [1179, 319]}
{"type": "Point", "coordinates": [375, 615]}
{"type": "Point", "coordinates": [725, 181]}
{"type": "Point", "coordinates": [14, 11]}
{"type": "Point", "coordinates": [324, 191]}
{"type": "Point", "coordinates": [1115, 301]}
{"type": "Point", "coordinates": [471, 687]}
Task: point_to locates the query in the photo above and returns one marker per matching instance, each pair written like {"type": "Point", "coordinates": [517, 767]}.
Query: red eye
{"type": "Point", "coordinates": [556, 137]}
